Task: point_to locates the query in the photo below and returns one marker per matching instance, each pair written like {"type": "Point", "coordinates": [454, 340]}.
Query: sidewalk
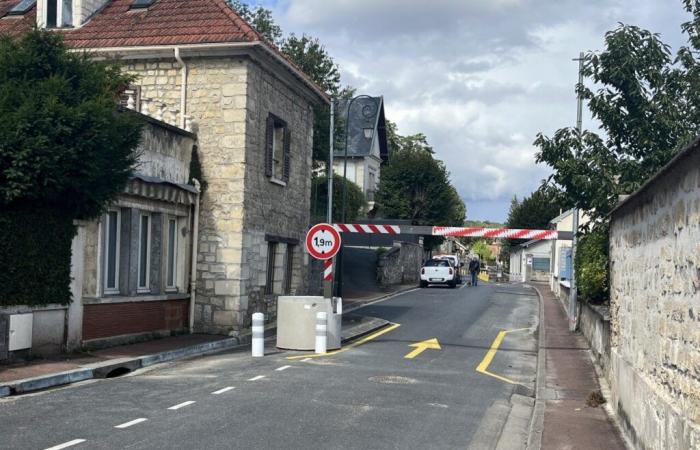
{"type": "Point", "coordinates": [570, 377]}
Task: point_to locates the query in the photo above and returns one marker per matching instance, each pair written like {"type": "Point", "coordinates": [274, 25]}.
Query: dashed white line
{"type": "Point", "coordinates": [280, 369]}
{"type": "Point", "coordinates": [259, 377]}
{"type": "Point", "coordinates": [131, 423]}
{"type": "Point", "coordinates": [306, 359]}
{"type": "Point", "coordinates": [181, 405]}
{"type": "Point", "coordinates": [221, 391]}
{"type": "Point", "coordinates": [67, 444]}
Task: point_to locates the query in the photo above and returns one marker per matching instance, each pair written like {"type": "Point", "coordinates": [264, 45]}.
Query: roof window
{"type": "Point", "coordinates": [141, 4]}
{"type": "Point", "coordinates": [22, 7]}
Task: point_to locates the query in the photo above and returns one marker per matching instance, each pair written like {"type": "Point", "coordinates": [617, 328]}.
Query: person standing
{"type": "Point", "coordinates": [474, 267]}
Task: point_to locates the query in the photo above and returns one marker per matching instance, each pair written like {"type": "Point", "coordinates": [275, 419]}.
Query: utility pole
{"type": "Point", "coordinates": [573, 291]}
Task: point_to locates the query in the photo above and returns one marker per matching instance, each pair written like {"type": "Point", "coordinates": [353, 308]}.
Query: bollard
{"type": "Point", "coordinates": [339, 308]}
{"type": "Point", "coordinates": [321, 327]}
{"type": "Point", "coordinates": [258, 346]}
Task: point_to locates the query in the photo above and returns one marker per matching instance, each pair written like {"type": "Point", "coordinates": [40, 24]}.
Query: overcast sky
{"type": "Point", "coordinates": [479, 77]}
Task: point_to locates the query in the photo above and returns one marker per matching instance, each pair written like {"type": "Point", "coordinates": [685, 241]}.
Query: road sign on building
{"type": "Point", "coordinates": [323, 241]}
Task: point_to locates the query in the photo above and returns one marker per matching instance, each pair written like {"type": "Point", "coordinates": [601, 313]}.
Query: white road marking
{"type": "Point", "coordinates": [259, 377]}
{"type": "Point", "coordinates": [280, 369]}
{"type": "Point", "coordinates": [221, 391]}
{"type": "Point", "coordinates": [130, 423]}
{"type": "Point", "coordinates": [67, 444]}
{"type": "Point", "coordinates": [181, 405]}
{"type": "Point", "coordinates": [306, 359]}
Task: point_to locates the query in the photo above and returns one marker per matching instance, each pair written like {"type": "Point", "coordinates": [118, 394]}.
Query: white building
{"type": "Point", "coordinates": [531, 261]}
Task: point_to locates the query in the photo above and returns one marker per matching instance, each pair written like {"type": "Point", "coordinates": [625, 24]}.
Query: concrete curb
{"type": "Point", "coordinates": [102, 369]}
{"type": "Point", "coordinates": [534, 440]}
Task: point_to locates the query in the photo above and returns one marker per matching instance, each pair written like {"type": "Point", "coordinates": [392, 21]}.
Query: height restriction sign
{"type": "Point", "coordinates": [323, 241]}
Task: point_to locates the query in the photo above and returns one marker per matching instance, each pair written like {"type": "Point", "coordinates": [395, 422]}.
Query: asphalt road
{"type": "Point", "coordinates": [367, 396]}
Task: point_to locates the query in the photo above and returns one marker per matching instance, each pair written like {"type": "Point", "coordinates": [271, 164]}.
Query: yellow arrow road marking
{"type": "Point", "coordinates": [422, 346]}
{"type": "Point", "coordinates": [348, 347]}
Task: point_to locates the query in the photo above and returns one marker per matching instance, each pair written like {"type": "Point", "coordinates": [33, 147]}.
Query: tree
{"type": "Point", "coordinates": [355, 201]}
{"type": "Point", "coordinates": [65, 152]}
{"type": "Point", "coordinates": [64, 144]}
{"type": "Point", "coordinates": [647, 106]}
{"type": "Point", "coordinates": [261, 19]}
{"type": "Point", "coordinates": [311, 56]}
{"type": "Point", "coordinates": [481, 248]}
{"type": "Point", "coordinates": [415, 186]}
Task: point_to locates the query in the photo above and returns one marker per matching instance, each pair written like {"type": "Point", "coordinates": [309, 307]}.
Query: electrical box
{"type": "Point", "coordinates": [20, 332]}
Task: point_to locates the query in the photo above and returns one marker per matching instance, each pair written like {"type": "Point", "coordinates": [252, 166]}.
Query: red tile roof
{"type": "Point", "coordinates": [165, 22]}
{"type": "Point", "coordinates": [15, 24]}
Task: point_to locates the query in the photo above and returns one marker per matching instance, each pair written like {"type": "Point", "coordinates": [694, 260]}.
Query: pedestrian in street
{"type": "Point", "coordinates": [474, 267]}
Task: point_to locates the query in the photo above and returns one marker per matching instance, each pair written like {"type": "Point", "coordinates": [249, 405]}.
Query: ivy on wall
{"type": "Point", "coordinates": [35, 257]}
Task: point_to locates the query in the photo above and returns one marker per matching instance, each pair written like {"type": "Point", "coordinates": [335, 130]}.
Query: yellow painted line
{"type": "Point", "coordinates": [484, 365]}
{"type": "Point", "coordinates": [353, 345]}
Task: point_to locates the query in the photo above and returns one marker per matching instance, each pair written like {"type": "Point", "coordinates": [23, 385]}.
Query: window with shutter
{"type": "Point", "coordinates": [277, 150]}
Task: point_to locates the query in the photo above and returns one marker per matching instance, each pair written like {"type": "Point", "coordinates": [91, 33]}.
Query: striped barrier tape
{"type": "Point", "coordinates": [496, 233]}
{"type": "Point", "coordinates": [367, 228]}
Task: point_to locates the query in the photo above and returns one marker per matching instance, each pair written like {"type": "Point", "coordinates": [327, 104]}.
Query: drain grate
{"type": "Point", "coordinates": [392, 379]}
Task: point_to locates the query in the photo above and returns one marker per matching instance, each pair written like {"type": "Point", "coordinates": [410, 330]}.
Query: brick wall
{"type": "Point", "coordinates": [118, 319]}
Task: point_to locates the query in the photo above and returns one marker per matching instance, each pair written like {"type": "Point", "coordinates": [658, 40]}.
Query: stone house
{"type": "Point", "coordinates": [367, 145]}
{"type": "Point", "coordinates": [654, 364]}
{"type": "Point", "coordinates": [199, 64]}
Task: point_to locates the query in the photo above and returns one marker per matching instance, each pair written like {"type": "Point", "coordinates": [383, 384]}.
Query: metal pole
{"type": "Point", "coordinates": [330, 164]}
{"type": "Point", "coordinates": [573, 292]}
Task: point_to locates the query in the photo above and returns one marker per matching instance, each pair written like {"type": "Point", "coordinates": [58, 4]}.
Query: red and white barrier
{"type": "Point", "coordinates": [496, 233]}
{"type": "Point", "coordinates": [367, 228]}
{"type": "Point", "coordinates": [328, 270]}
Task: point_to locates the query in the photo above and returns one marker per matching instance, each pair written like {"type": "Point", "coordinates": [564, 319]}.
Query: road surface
{"type": "Point", "coordinates": [370, 395]}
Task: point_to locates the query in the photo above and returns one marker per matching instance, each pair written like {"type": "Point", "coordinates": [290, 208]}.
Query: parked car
{"type": "Point", "coordinates": [454, 260]}
{"type": "Point", "coordinates": [438, 271]}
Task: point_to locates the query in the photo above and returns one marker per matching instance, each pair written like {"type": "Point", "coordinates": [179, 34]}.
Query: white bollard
{"type": "Point", "coordinates": [321, 328]}
{"type": "Point", "coordinates": [339, 308]}
{"type": "Point", "coordinates": [258, 335]}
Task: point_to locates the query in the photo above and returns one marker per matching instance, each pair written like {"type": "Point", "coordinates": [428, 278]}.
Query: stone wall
{"type": "Point", "coordinates": [655, 308]}
{"type": "Point", "coordinates": [400, 265]}
{"type": "Point", "coordinates": [594, 323]}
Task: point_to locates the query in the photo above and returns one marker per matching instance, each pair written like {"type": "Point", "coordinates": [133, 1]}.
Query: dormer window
{"type": "Point", "coordinates": [58, 13]}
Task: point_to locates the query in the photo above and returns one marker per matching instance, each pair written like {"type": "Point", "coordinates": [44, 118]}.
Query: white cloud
{"type": "Point", "coordinates": [479, 77]}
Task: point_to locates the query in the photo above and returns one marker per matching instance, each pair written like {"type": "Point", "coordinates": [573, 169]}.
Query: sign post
{"type": "Point", "coordinates": [323, 243]}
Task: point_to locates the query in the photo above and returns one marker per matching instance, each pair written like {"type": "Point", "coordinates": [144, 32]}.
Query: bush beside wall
{"type": "Point", "coordinates": [592, 274]}
{"type": "Point", "coordinates": [35, 257]}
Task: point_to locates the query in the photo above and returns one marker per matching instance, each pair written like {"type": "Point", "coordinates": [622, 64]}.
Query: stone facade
{"type": "Point", "coordinates": [242, 210]}
{"type": "Point", "coordinates": [400, 265]}
{"type": "Point", "coordinates": [655, 308]}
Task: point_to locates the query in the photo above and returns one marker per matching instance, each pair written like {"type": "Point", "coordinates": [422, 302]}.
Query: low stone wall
{"type": "Point", "coordinates": [594, 322]}
{"type": "Point", "coordinates": [400, 265]}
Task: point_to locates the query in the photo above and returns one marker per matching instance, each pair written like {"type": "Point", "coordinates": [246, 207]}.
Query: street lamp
{"type": "Point", "coordinates": [368, 133]}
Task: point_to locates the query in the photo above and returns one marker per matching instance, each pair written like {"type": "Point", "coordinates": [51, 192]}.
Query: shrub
{"type": "Point", "coordinates": [592, 272]}
{"type": "Point", "coordinates": [35, 257]}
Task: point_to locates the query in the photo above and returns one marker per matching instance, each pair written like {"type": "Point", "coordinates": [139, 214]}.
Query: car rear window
{"type": "Point", "coordinates": [437, 263]}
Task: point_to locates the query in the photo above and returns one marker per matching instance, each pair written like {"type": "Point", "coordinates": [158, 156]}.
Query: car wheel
{"type": "Point", "coordinates": [452, 284]}
{"type": "Point", "coordinates": [424, 284]}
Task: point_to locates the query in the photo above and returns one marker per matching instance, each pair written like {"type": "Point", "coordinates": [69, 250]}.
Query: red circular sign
{"type": "Point", "coordinates": [323, 241]}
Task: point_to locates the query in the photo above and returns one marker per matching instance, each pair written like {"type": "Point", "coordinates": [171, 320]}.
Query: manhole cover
{"type": "Point", "coordinates": [391, 379]}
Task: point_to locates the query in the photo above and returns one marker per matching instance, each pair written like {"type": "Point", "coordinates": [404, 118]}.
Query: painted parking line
{"type": "Point", "coordinates": [348, 347]}
{"type": "Point", "coordinates": [67, 444]}
{"type": "Point", "coordinates": [280, 369]}
{"type": "Point", "coordinates": [131, 423]}
{"type": "Point", "coordinates": [484, 365]}
{"type": "Point", "coordinates": [307, 359]}
{"type": "Point", "coordinates": [221, 391]}
{"type": "Point", "coordinates": [259, 377]}
{"type": "Point", "coordinates": [181, 405]}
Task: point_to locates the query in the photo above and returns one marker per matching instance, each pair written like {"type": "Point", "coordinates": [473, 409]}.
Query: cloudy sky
{"type": "Point", "coordinates": [479, 77]}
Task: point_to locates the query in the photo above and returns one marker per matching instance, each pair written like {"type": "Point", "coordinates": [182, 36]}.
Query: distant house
{"type": "Point", "coordinates": [560, 278]}
{"type": "Point", "coordinates": [200, 66]}
{"type": "Point", "coordinates": [531, 261]}
{"type": "Point", "coordinates": [367, 145]}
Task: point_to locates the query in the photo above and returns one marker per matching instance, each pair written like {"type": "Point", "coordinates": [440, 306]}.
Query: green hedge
{"type": "Point", "coordinates": [35, 257]}
{"type": "Point", "coordinates": [592, 274]}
